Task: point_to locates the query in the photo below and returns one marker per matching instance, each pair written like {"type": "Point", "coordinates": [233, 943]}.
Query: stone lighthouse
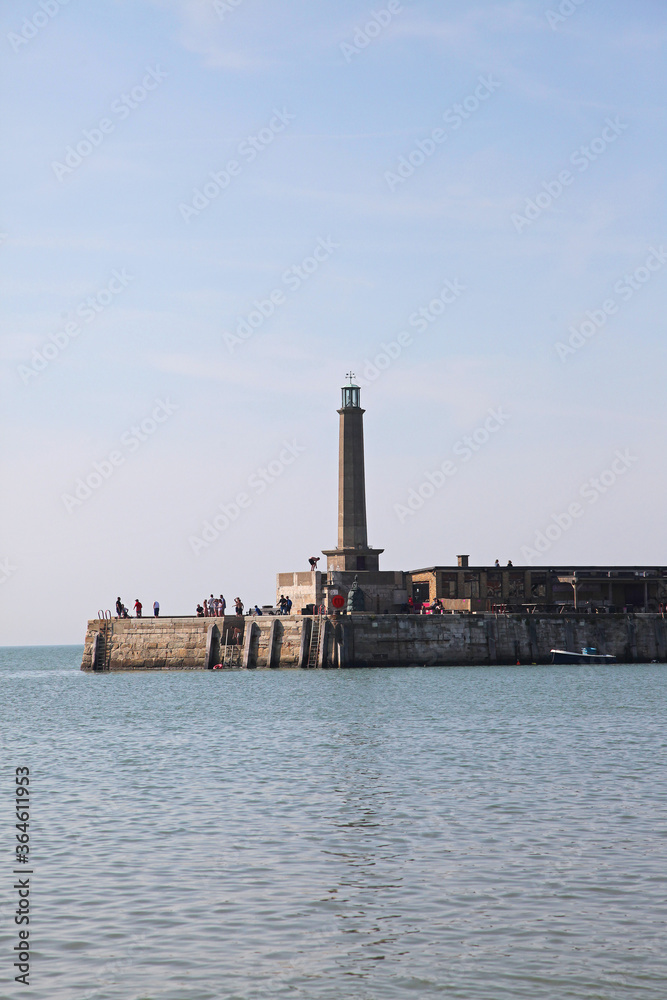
{"type": "Point", "coordinates": [352, 554]}
{"type": "Point", "coordinates": [352, 560]}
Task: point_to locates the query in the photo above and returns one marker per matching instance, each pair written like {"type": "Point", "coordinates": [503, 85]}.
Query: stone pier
{"type": "Point", "coordinates": [362, 640]}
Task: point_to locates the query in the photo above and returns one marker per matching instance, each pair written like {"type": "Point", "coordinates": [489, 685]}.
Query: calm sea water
{"type": "Point", "coordinates": [475, 833]}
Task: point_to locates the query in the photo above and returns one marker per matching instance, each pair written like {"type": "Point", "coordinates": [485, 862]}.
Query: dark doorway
{"type": "Point", "coordinates": [634, 594]}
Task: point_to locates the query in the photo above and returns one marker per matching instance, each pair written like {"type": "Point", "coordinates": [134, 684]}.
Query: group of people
{"type": "Point", "coordinates": [211, 607]}
{"type": "Point", "coordinates": [215, 607]}
{"type": "Point", "coordinates": [434, 608]}
{"type": "Point", "coordinates": [285, 606]}
{"type": "Point", "coordinates": [122, 612]}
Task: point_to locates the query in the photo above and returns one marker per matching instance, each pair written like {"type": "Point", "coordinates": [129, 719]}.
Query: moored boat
{"type": "Point", "coordinates": [589, 654]}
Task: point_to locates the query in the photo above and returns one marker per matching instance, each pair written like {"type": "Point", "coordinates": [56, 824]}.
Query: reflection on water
{"type": "Point", "coordinates": [478, 833]}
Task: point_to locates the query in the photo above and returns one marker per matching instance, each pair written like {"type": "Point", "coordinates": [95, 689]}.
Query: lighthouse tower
{"type": "Point", "coordinates": [352, 559]}
{"type": "Point", "coordinates": [352, 554]}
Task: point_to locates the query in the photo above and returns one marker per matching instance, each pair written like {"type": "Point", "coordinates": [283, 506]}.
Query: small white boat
{"type": "Point", "coordinates": [589, 654]}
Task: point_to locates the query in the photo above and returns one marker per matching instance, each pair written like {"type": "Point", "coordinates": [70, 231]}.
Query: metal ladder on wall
{"type": "Point", "coordinates": [106, 632]}
{"type": "Point", "coordinates": [314, 648]}
{"type": "Point", "coordinates": [231, 653]}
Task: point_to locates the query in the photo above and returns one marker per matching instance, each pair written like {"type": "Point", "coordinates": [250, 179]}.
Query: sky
{"type": "Point", "coordinates": [213, 211]}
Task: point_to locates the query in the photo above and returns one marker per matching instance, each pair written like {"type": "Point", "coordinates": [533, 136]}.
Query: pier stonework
{"type": "Point", "coordinates": [367, 640]}
{"type": "Point", "coordinates": [303, 588]}
{"type": "Point", "coordinates": [158, 643]}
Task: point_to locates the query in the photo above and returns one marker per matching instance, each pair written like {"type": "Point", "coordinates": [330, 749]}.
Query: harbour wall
{"type": "Point", "coordinates": [362, 640]}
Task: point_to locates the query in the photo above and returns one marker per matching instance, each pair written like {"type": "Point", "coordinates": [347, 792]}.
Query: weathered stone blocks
{"type": "Point", "coordinates": [390, 640]}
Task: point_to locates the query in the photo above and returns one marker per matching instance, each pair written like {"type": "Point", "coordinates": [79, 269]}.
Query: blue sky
{"type": "Point", "coordinates": [335, 107]}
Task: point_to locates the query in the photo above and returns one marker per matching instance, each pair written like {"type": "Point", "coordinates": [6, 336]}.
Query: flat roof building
{"type": "Point", "coordinates": [555, 588]}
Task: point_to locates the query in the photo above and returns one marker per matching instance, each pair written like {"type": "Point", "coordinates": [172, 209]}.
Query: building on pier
{"type": "Point", "coordinates": [536, 588]}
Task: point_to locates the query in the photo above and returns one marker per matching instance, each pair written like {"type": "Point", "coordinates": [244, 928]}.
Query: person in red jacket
{"type": "Point", "coordinates": [137, 607]}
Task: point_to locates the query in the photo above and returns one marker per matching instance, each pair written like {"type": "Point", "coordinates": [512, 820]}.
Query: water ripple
{"type": "Point", "coordinates": [474, 833]}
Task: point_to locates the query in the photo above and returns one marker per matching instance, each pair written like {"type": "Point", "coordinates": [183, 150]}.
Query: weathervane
{"type": "Point", "coordinates": [351, 376]}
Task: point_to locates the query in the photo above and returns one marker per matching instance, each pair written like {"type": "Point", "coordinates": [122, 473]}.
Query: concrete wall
{"type": "Point", "coordinates": [160, 643]}
{"type": "Point", "coordinates": [369, 640]}
{"type": "Point", "coordinates": [383, 589]}
{"type": "Point", "coordinates": [404, 640]}
{"type": "Point", "coordinates": [275, 642]}
{"type": "Point", "coordinates": [302, 588]}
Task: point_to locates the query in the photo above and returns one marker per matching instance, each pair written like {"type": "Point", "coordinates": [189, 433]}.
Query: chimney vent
{"type": "Point", "coordinates": [463, 561]}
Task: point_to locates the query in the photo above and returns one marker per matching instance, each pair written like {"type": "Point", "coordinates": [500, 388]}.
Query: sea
{"type": "Point", "coordinates": [469, 833]}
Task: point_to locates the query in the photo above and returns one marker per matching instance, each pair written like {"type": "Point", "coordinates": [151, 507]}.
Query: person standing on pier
{"type": "Point", "coordinates": [238, 605]}
{"type": "Point", "coordinates": [222, 606]}
{"type": "Point", "coordinates": [156, 608]}
{"type": "Point", "coordinates": [137, 607]}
